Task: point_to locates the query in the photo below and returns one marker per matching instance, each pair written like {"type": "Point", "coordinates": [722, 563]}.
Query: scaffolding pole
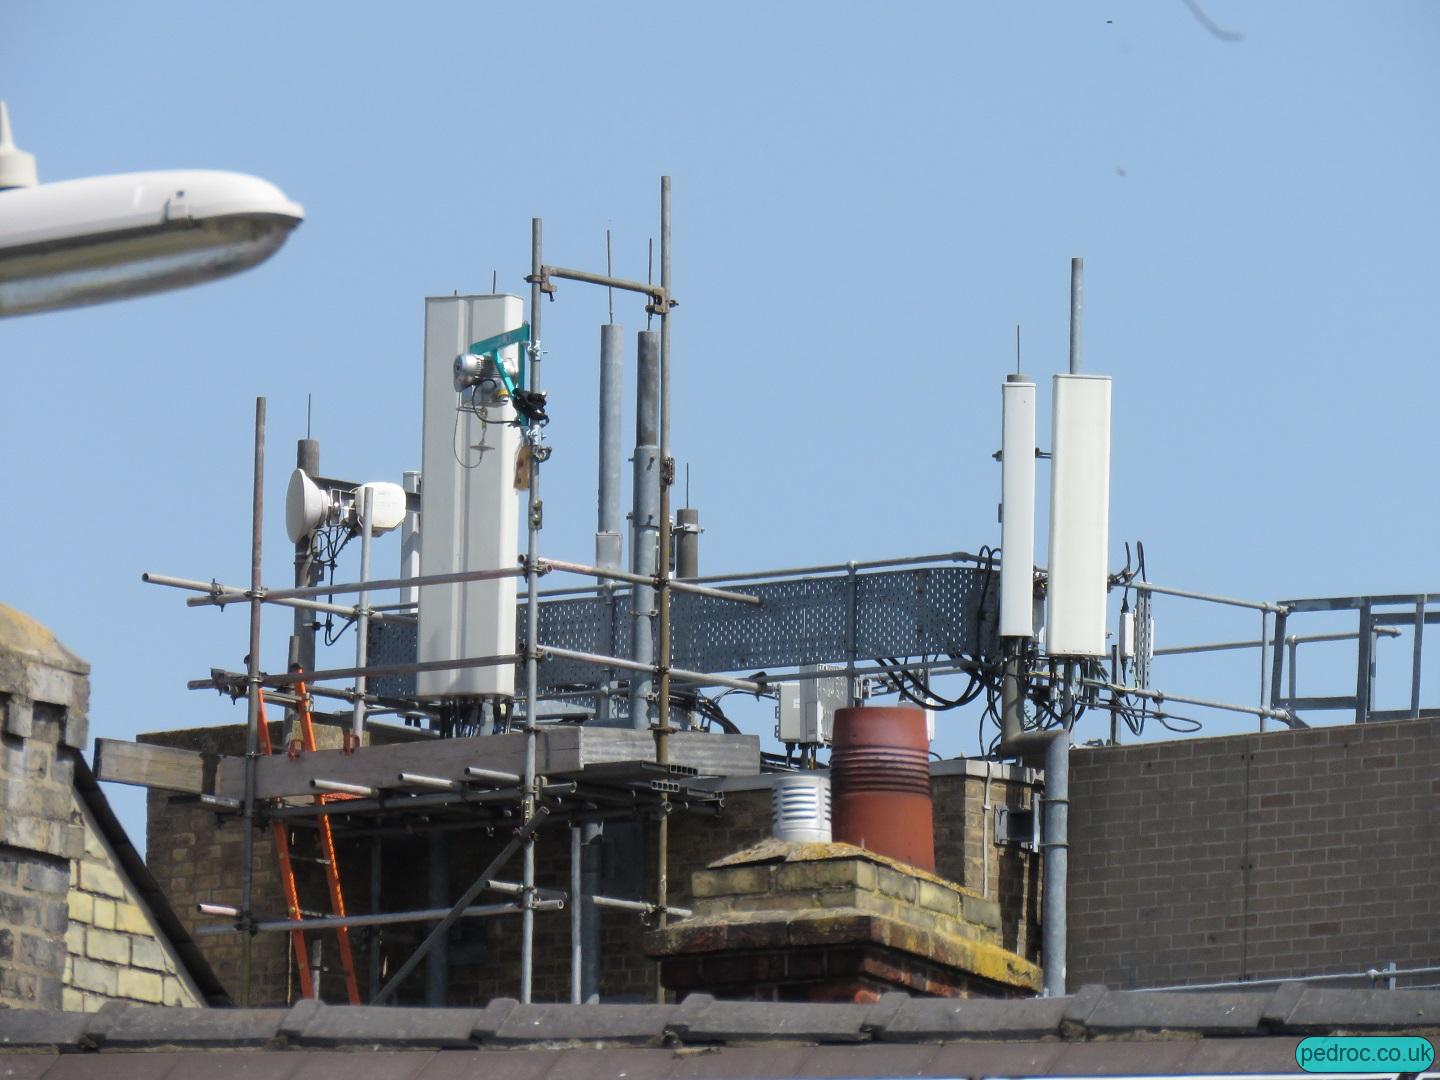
{"type": "Point", "coordinates": [252, 706]}
{"type": "Point", "coordinates": [667, 478]}
{"type": "Point", "coordinates": [534, 520]}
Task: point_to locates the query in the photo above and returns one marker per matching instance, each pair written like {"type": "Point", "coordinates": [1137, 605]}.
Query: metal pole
{"type": "Point", "coordinates": [389, 918]}
{"type": "Point", "coordinates": [1057, 752]}
{"type": "Point", "coordinates": [307, 570]}
{"type": "Point", "coordinates": [609, 547]}
{"type": "Point", "coordinates": [1057, 845]}
{"type": "Point", "coordinates": [667, 477]}
{"type": "Point", "coordinates": [437, 966]}
{"type": "Point", "coordinates": [851, 609]}
{"type": "Point", "coordinates": [1365, 665]}
{"type": "Point", "coordinates": [1077, 308]}
{"type": "Point", "coordinates": [591, 833]}
{"type": "Point", "coordinates": [222, 594]}
{"type": "Point", "coordinates": [1190, 594]}
{"type": "Point", "coordinates": [1293, 648]}
{"type": "Point", "coordinates": [645, 522]}
{"type": "Point", "coordinates": [376, 869]}
{"type": "Point", "coordinates": [1415, 657]}
{"type": "Point", "coordinates": [532, 630]}
{"type": "Point", "coordinates": [457, 911]}
{"type": "Point", "coordinates": [1264, 662]}
{"type": "Point", "coordinates": [362, 619]}
{"type": "Point", "coordinates": [577, 946]}
{"type": "Point", "coordinates": [253, 719]}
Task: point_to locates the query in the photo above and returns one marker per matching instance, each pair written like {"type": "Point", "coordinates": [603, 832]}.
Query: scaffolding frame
{"type": "Point", "coordinates": [483, 799]}
{"type": "Point", "coordinates": [528, 788]}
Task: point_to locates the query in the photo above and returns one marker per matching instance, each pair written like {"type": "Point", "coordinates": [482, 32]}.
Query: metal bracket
{"type": "Point", "coordinates": [543, 280]}
{"type": "Point", "coordinates": [1019, 828]}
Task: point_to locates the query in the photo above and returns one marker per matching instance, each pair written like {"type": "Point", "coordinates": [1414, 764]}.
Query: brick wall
{"type": "Point", "coordinates": [113, 952]}
{"type": "Point", "coordinates": [1256, 856]}
{"type": "Point", "coordinates": [195, 856]}
{"type": "Point", "coordinates": [44, 694]}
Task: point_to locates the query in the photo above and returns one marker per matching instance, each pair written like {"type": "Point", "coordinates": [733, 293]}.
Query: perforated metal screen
{"type": "Point", "coordinates": [931, 611]}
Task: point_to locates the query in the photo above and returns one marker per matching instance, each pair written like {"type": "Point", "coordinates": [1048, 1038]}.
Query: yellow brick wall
{"type": "Point", "coordinates": [113, 952]}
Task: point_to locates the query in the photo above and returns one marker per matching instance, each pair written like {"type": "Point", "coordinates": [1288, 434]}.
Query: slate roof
{"type": "Point", "coordinates": [1093, 1032]}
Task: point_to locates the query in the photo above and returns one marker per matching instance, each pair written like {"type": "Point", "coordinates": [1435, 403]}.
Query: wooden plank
{"type": "Point", "coordinates": [556, 751]}
{"type": "Point", "coordinates": [167, 768]}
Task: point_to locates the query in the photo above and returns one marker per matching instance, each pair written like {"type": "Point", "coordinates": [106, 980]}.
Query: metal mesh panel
{"type": "Point", "coordinates": [931, 611]}
{"type": "Point", "coordinates": [1144, 646]}
{"type": "Point", "coordinates": [392, 643]}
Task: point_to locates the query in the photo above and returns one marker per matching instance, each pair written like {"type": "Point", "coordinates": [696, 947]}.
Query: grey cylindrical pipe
{"type": "Point", "coordinates": [590, 840]}
{"type": "Point", "coordinates": [645, 522]}
{"type": "Point", "coordinates": [307, 570]}
{"type": "Point", "coordinates": [1057, 861]}
{"type": "Point", "coordinates": [1077, 309]}
{"type": "Point", "coordinates": [687, 542]}
{"type": "Point", "coordinates": [437, 962]}
{"type": "Point", "coordinates": [366, 510]}
{"type": "Point", "coordinates": [608, 550]}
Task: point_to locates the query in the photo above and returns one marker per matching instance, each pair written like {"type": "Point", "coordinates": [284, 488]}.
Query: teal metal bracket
{"type": "Point", "coordinates": [490, 349]}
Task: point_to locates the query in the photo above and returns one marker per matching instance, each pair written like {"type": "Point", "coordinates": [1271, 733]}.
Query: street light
{"type": "Point", "coordinates": [105, 237]}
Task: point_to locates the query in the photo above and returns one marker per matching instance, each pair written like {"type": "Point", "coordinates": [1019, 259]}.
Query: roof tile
{"type": "Point", "coordinates": [937, 1019]}
{"type": "Point", "coordinates": [373, 1025]}
{"type": "Point", "coordinates": [154, 1027]}
{"type": "Point", "coordinates": [764, 1021]}
{"type": "Point", "coordinates": [632, 1024]}
{"type": "Point", "coordinates": [33, 1029]}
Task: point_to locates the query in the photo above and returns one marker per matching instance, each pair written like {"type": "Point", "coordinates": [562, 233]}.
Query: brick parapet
{"type": "Point", "coordinates": [1243, 857]}
{"type": "Point", "coordinates": [44, 698]}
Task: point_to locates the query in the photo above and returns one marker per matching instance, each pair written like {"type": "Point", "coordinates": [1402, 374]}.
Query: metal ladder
{"type": "Point", "coordinates": [303, 742]}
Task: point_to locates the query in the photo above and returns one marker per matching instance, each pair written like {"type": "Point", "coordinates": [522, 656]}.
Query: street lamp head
{"type": "Point", "coordinates": [105, 237]}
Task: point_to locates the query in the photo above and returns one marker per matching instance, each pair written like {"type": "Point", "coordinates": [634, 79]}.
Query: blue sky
{"type": "Point", "coordinates": [868, 199]}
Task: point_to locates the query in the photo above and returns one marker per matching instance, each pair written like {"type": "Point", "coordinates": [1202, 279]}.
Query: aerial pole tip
{"type": "Point", "coordinates": [17, 167]}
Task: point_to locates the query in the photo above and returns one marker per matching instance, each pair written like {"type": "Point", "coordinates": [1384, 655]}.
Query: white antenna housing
{"type": "Point", "coordinates": [306, 506]}
{"type": "Point", "coordinates": [17, 168]}
{"type": "Point", "coordinates": [1079, 516]}
{"type": "Point", "coordinates": [470, 513]}
{"type": "Point", "coordinates": [387, 505]}
{"type": "Point", "coordinates": [1017, 508]}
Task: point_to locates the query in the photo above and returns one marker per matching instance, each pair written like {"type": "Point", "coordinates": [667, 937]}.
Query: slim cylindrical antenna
{"type": "Point", "coordinates": [1077, 308]}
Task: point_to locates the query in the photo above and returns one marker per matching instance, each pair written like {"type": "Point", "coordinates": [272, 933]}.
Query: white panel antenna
{"type": "Point", "coordinates": [1017, 508]}
{"type": "Point", "coordinates": [1079, 516]}
{"type": "Point", "coordinates": [470, 515]}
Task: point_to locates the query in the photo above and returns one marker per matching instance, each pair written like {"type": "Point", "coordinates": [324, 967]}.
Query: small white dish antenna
{"type": "Point", "coordinates": [306, 506]}
{"type": "Point", "coordinates": [387, 505]}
